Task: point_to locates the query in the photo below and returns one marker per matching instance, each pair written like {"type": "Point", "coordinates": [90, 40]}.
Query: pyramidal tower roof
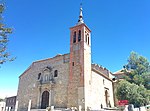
{"type": "Point", "coordinates": [80, 20]}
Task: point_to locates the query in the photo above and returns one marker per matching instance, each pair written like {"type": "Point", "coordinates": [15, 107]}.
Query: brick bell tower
{"type": "Point", "coordinates": [80, 65]}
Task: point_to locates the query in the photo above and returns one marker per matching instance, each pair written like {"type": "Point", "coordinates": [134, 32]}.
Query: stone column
{"type": "Point", "coordinates": [9, 108]}
{"type": "Point", "coordinates": [16, 106]}
{"type": "Point", "coordinates": [50, 97]}
{"type": "Point", "coordinates": [29, 105]}
{"type": "Point", "coordinates": [6, 108]}
{"type": "Point", "coordinates": [39, 98]}
{"type": "Point", "coordinates": [80, 108]}
{"type": "Point", "coordinates": [52, 108]}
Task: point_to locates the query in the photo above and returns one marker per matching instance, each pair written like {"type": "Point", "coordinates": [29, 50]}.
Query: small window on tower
{"type": "Point", "coordinates": [79, 36]}
{"type": "Point", "coordinates": [55, 73]}
{"type": "Point", "coordinates": [74, 37]}
{"type": "Point", "coordinates": [72, 63]}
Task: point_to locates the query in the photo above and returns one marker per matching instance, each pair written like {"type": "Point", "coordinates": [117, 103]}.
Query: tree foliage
{"type": "Point", "coordinates": [4, 32]}
{"type": "Point", "coordinates": [137, 63]}
{"type": "Point", "coordinates": [137, 95]}
{"type": "Point", "coordinates": [1, 99]}
{"type": "Point", "coordinates": [138, 70]}
{"type": "Point", "coordinates": [136, 86]}
{"type": "Point", "coordinates": [146, 77]}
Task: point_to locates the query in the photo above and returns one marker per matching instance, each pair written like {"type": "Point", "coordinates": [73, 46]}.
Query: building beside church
{"type": "Point", "coordinates": [68, 80]}
{"type": "Point", "coordinates": [10, 103]}
{"type": "Point", "coordinates": [120, 75]}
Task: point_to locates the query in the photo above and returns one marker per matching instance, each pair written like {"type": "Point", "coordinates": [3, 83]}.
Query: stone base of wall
{"type": "Point", "coordinates": [57, 109]}
{"type": "Point", "coordinates": [38, 110]}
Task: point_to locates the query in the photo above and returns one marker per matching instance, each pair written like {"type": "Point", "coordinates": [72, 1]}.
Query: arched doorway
{"type": "Point", "coordinates": [45, 100]}
{"type": "Point", "coordinates": [106, 98]}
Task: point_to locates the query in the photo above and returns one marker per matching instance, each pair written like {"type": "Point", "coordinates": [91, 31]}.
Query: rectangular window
{"type": "Point", "coordinates": [55, 73]}
{"type": "Point", "coordinates": [88, 40]}
{"type": "Point", "coordinates": [74, 37]}
{"type": "Point", "coordinates": [79, 36]}
{"type": "Point", "coordinates": [72, 63]}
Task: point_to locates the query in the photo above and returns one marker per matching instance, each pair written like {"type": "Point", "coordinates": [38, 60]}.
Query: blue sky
{"type": "Point", "coordinates": [41, 30]}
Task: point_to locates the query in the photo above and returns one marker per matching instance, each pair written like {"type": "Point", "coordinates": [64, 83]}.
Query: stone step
{"type": "Point", "coordinates": [38, 110]}
{"type": "Point", "coordinates": [57, 109]}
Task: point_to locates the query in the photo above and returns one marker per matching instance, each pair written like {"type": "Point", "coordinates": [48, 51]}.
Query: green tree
{"type": "Point", "coordinates": [146, 77]}
{"type": "Point", "coordinates": [1, 99]}
{"type": "Point", "coordinates": [137, 63]}
{"type": "Point", "coordinates": [137, 95]}
{"type": "Point", "coordinates": [4, 32]}
{"type": "Point", "coordinates": [138, 70]}
{"type": "Point", "coordinates": [145, 94]}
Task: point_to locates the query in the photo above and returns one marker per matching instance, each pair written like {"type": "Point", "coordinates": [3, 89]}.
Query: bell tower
{"type": "Point", "coordinates": [80, 64]}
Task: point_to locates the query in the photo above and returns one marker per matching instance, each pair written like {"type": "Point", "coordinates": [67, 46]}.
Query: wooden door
{"type": "Point", "coordinates": [45, 100]}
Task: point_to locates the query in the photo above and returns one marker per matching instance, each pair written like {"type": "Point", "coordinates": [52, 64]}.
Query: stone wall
{"type": "Point", "coordinates": [99, 85]}
{"type": "Point", "coordinates": [31, 87]}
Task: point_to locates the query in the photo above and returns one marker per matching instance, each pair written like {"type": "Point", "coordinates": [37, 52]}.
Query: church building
{"type": "Point", "coordinates": [68, 80]}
